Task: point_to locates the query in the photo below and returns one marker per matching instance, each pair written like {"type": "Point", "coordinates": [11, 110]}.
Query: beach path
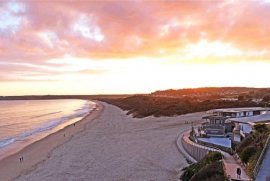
{"type": "Point", "coordinates": [230, 165]}
{"type": "Point", "coordinates": [118, 147]}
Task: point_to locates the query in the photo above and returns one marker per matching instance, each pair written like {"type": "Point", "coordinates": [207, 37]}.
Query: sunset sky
{"type": "Point", "coordinates": [84, 47]}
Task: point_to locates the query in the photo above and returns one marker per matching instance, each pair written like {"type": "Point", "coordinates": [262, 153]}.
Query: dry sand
{"type": "Point", "coordinates": [10, 165]}
{"type": "Point", "coordinates": [117, 147]}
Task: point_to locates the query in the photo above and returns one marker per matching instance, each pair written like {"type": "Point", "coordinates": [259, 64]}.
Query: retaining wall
{"type": "Point", "coordinates": [193, 149]}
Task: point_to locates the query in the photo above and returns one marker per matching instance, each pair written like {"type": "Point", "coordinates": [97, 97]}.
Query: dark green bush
{"type": "Point", "coordinates": [247, 153]}
{"type": "Point", "coordinates": [261, 128]}
{"type": "Point", "coordinates": [212, 157]}
{"type": "Point", "coordinates": [246, 142]}
{"type": "Point", "coordinates": [212, 171]}
{"type": "Point", "coordinates": [191, 170]}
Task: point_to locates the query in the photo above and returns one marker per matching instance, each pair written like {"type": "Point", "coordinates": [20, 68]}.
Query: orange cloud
{"type": "Point", "coordinates": [36, 31]}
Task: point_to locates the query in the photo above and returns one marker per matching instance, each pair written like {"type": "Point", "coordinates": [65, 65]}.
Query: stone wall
{"type": "Point", "coordinates": [193, 149]}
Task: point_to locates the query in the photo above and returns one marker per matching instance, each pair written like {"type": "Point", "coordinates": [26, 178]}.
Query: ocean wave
{"type": "Point", "coordinates": [78, 113]}
{"type": "Point", "coordinates": [6, 142]}
{"type": "Point", "coordinates": [42, 115]}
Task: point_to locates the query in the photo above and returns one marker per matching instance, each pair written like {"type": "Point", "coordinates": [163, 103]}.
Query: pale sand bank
{"type": "Point", "coordinates": [115, 147]}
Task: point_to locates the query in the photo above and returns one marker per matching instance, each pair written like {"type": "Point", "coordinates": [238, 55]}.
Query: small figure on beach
{"type": "Point", "coordinates": [21, 159]}
{"type": "Point", "coordinates": [74, 124]}
{"type": "Point", "coordinates": [64, 135]}
{"type": "Point", "coordinates": [238, 172]}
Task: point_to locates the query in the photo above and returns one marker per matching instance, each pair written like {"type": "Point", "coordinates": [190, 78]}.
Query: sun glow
{"type": "Point", "coordinates": [205, 48]}
{"type": "Point", "coordinates": [141, 75]}
{"type": "Point", "coordinates": [131, 47]}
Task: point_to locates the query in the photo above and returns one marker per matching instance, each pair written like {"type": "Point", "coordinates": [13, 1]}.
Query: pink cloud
{"type": "Point", "coordinates": [112, 29]}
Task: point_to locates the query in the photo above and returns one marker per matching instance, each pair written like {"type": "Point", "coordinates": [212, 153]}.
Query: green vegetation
{"type": "Point", "coordinates": [251, 147]}
{"type": "Point", "coordinates": [217, 92]}
{"type": "Point", "coordinates": [213, 171]}
{"type": "Point", "coordinates": [176, 102]}
{"type": "Point", "coordinates": [146, 105]}
{"type": "Point", "coordinates": [247, 153]}
{"type": "Point", "coordinates": [209, 168]}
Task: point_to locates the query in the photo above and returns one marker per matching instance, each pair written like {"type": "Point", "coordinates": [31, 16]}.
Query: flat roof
{"type": "Point", "coordinates": [263, 118]}
{"type": "Point", "coordinates": [242, 109]}
{"type": "Point", "coordinates": [213, 117]}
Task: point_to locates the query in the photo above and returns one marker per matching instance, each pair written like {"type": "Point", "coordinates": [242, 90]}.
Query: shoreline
{"type": "Point", "coordinates": [117, 146]}
{"type": "Point", "coordinates": [12, 167]}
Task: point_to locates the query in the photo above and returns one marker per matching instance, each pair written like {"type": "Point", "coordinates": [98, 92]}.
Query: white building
{"type": "Point", "coordinates": [239, 118]}
{"type": "Point", "coordinates": [244, 125]}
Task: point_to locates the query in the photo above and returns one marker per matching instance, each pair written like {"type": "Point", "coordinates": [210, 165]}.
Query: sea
{"type": "Point", "coordinates": [24, 119]}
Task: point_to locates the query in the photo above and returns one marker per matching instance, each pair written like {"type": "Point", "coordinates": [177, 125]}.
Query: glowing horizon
{"type": "Point", "coordinates": [132, 47]}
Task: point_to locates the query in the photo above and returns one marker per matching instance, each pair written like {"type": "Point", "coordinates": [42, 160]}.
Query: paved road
{"type": "Point", "coordinates": [264, 172]}
{"type": "Point", "coordinates": [231, 164]}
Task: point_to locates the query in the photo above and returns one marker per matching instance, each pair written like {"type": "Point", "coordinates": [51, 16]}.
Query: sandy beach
{"type": "Point", "coordinates": [10, 164]}
{"type": "Point", "coordinates": [113, 146]}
